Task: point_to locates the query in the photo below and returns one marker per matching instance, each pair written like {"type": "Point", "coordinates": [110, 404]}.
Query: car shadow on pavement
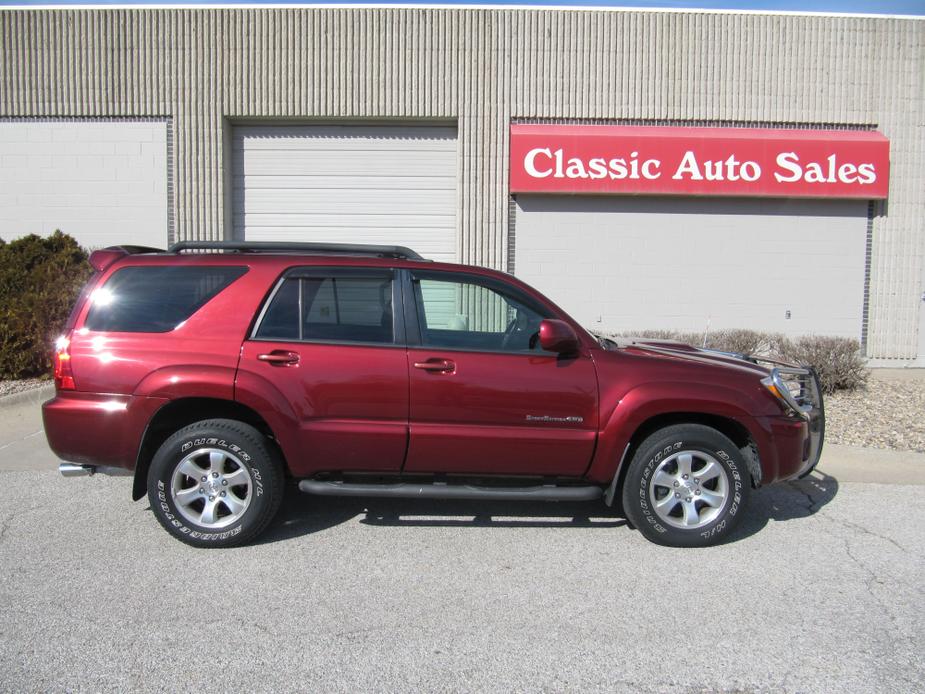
{"type": "Point", "coordinates": [303, 514]}
{"type": "Point", "coordinates": [491, 514]}
{"type": "Point", "coordinates": [785, 502]}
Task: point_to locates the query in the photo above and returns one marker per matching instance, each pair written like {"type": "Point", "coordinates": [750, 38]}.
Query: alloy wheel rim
{"type": "Point", "coordinates": [211, 488]}
{"type": "Point", "coordinates": [689, 489]}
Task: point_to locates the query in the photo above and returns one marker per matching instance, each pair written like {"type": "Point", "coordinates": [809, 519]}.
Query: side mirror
{"type": "Point", "coordinates": [558, 336]}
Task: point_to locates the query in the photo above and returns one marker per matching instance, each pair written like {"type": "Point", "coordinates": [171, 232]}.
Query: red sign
{"type": "Point", "coordinates": [655, 160]}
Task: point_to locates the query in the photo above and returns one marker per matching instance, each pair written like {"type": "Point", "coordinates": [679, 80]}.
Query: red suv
{"type": "Point", "coordinates": [213, 372]}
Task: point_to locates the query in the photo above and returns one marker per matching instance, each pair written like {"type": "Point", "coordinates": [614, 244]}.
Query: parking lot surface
{"type": "Point", "coordinates": [820, 591]}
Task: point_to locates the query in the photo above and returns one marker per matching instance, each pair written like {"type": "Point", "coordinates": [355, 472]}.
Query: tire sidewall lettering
{"type": "Point", "coordinates": [166, 503]}
{"type": "Point", "coordinates": [733, 505]}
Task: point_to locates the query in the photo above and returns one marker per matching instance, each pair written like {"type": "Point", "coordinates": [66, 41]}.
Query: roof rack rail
{"type": "Point", "coordinates": [397, 252]}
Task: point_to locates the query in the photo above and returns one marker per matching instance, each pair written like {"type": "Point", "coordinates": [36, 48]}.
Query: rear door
{"type": "Point", "coordinates": [485, 398]}
{"type": "Point", "coordinates": [330, 347]}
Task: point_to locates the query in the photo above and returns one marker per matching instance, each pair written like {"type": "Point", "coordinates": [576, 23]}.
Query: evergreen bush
{"type": "Point", "coordinates": [40, 279]}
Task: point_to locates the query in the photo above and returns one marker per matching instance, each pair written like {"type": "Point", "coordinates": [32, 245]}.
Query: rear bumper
{"type": "Point", "coordinates": [96, 430]}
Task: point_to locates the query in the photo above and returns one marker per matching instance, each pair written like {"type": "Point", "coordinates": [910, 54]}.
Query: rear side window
{"type": "Point", "coordinates": [333, 308]}
{"type": "Point", "coordinates": [156, 299]}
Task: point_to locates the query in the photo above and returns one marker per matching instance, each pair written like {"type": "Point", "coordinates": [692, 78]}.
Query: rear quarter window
{"type": "Point", "coordinates": [156, 299]}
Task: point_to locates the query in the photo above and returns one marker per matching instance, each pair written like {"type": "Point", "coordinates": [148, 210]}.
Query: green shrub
{"type": "Point", "coordinates": [40, 279]}
{"type": "Point", "coordinates": [838, 360]}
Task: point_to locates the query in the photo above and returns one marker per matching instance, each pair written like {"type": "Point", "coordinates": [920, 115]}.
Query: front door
{"type": "Point", "coordinates": [328, 349]}
{"type": "Point", "coordinates": [485, 399]}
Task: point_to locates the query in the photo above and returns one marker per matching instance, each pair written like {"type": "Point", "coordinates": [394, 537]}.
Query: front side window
{"type": "Point", "coordinates": [330, 308]}
{"type": "Point", "coordinates": [156, 298]}
{"type": "Point", "coordinates": [468, 315]}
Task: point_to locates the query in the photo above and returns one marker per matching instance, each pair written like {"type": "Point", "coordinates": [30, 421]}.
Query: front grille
{"type": "Point", "coordinates": [798, 386]}
{"type": "Point", "coordinates": [803, 387]}
{"type": "Point", "coordinates": [801, 390]}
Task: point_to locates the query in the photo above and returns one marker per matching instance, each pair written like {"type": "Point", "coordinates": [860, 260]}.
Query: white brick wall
{"type": "Point", "coordinates": [103, 182]}
{"type": "Point", "coordinates": [620, 264]}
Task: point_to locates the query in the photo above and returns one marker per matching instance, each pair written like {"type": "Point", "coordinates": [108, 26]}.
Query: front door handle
{"type": "Point", "coordinates": [279, 357]}
{"type": "Point", "coordinates": [436, 365]}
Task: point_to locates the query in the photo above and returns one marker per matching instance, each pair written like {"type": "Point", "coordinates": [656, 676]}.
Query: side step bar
{"type": "Point", "coordinates": [452, 491]}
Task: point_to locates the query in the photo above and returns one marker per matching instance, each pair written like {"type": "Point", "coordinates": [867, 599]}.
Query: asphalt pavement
{"type": "Point", "coordinates": [820, 590]}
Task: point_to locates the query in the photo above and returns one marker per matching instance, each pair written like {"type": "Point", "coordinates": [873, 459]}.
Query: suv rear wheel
{"type": "Point", "coordinates": [215, 483]}
{"type": "Point", "coordinates": [686, 486]}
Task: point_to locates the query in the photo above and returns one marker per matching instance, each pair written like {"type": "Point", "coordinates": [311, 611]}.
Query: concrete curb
{"type": "Point", "coordinates": [33, 395]}
{"type": "Point", "coordinates": [872, 465]}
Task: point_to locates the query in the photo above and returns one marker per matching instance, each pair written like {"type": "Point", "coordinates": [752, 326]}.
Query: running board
{"type": "Point", "coordinates": [452, 491]}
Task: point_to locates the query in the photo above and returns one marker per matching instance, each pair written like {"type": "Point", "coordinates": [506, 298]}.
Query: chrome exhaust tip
{"type": "Point", "coordinates": [73, 470]}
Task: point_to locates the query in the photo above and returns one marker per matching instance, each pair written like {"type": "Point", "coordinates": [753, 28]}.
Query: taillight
{"type": "Point", "coordinates": [64, 377]}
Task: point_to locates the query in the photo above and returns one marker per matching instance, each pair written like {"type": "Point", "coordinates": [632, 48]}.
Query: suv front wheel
{"type": "Point", "coordinates": [686, 486]}
{"type": "Point", "coordinates": [215, 483]}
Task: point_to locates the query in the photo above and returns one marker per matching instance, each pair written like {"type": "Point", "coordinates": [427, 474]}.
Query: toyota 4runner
{"type": "Point", "coordinates": [214, 372]}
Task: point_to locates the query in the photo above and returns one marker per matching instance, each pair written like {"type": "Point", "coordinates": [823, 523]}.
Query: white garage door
{"type": "Point", "coordinates": [624, 264]}
{"type": "Point", "coordinates": [350, 184]}
{"type": "Point", "coordinates": [102, 182]}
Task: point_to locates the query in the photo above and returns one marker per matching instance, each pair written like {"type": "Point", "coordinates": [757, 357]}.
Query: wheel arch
{"type": "Point", "coordinates": [182, 412]}
{"type": "Point", "coordinates": [735, 431]}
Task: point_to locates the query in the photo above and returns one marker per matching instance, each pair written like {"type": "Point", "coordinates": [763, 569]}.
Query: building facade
{"type": "Point", "coordinates": [149, 126]}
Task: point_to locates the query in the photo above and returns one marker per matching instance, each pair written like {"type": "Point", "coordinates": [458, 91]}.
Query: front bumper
{"type": "Point", "coordinates": [816, 423]}
{"type": "Point", "coordinates": [801, 390]}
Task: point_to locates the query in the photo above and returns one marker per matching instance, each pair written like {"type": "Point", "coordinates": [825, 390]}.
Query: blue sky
{"type": "Point", "coordinates": [904, 7]}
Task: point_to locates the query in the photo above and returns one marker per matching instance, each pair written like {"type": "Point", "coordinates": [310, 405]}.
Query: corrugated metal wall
{"type": "Point", "coordinates": [480, 68]}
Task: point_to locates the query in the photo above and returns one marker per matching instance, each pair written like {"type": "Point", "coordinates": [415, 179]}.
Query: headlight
{"type": "Point", "coordinates": [787, 386]}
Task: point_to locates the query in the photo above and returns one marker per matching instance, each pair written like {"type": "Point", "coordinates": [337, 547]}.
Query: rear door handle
{"type": "Point", "coordinates": [436, 365]}
{"type": "Point", "coordinates": [279, 357]}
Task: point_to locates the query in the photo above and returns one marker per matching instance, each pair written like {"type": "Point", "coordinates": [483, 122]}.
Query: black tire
{"type": "Point", "coordinates": [239, 512]}
{"type": "Point", "coordinates": [682, 517]}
